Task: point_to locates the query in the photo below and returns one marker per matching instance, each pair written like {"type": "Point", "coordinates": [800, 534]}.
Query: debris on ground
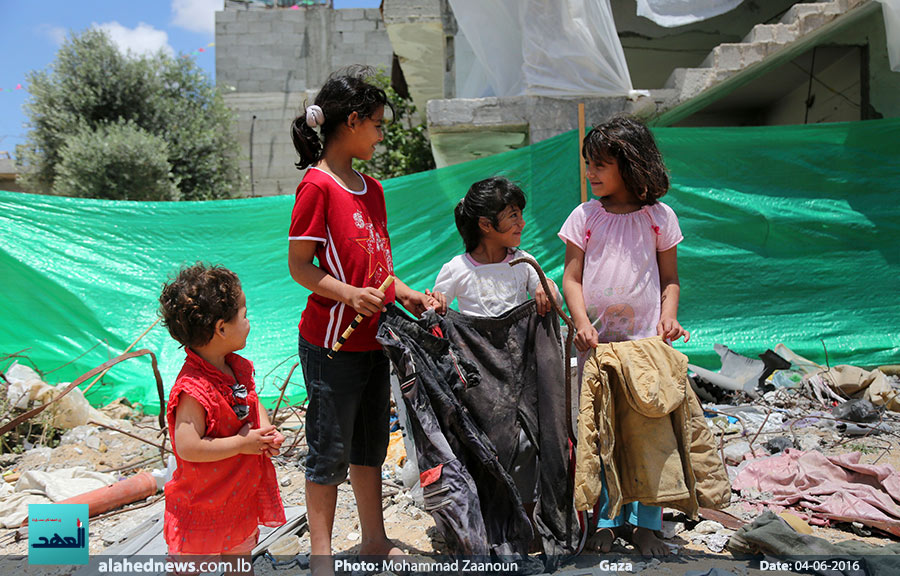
{"type": "Point", "coordinates": [838, 425]}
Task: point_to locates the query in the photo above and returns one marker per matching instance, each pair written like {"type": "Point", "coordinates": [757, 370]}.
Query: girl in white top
{"type": "Point", "coordinates": [490, 221]}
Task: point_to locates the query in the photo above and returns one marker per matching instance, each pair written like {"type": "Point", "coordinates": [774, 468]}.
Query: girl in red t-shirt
{"type": "Point", "coordinates": [225, 484]}
{"type": "Point", "coordinates": [340, 250]}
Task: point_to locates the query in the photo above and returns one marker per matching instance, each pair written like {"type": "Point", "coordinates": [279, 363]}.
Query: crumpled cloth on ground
{"type": "Point", "coordinates": [771, 535]}
{"type": "Point", "coordinates": [858, 383]}
{"type": "Point", "coordinates": [850, 380]}
{"type": "Point", "coordinates": [832, 487]}
{"type": "Point", "coordinates": [36, 487]}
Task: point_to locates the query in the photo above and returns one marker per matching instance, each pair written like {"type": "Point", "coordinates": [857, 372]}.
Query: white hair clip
{"type": "Point", "coordinates": [314, 116]}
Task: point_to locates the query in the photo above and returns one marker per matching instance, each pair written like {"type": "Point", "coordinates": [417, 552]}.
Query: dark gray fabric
{"type": "Point", "coordinates": [518, 364]}
{"type": "Point", "coordinates": [480, 512]}
{"type": "Point", "coordinates": [522, 389]}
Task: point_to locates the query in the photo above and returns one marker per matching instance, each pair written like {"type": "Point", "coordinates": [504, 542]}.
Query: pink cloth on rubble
{"type": "Point", "coordinates": [833, 487]}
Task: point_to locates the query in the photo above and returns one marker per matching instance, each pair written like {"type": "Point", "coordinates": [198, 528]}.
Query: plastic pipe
{"type": "Point", "coordinates": [110, 497]}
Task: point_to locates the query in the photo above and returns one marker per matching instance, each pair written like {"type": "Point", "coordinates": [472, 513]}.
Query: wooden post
{"type": "Point", "coordinates": [580, 159]}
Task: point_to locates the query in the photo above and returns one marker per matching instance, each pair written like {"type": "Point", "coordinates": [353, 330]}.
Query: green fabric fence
{"type": "Point", "coordinates": [792, 234]}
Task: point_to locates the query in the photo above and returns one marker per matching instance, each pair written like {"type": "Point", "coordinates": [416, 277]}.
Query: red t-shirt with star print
{"type": "Point", "coordinates": [350, 228]}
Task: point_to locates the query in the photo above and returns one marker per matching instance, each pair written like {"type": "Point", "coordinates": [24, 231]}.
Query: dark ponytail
{"type": "Point", "coordinates": [346, 91]}
{"type": "Point", "coordinates": [306, 143]}
{"type": "Point", "coordinates": [485, 199]}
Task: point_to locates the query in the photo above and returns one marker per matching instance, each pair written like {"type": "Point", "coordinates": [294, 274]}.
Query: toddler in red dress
{"type": "Point", "coordinates": [225, 484]}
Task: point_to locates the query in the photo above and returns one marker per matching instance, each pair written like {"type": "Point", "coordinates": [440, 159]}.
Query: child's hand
{"type": "Point", "coordinates": [274, 442]}
{"type": "Point", "coordinates": [417, 302]}
{"type": "Point", "coordinates": [255, 440]}
{"type": "Point", "coordinates": [543, 302]}
{"type": "Point", "coordinates": [586, 338]}
{"type": "Point", "coordinates": [438, 301]}
{"type": "Point", "coordinates": [671, 330]}
{"type": "Point", "coordinates": [366, 301]}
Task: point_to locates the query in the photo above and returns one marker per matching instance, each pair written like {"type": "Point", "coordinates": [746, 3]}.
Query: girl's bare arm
{"type": "Point", "coordinates": [670, 291]}
{"type": "Point", "coordinates": [365, 301]}
{"type": "Point", "coordinates": [192, 444]}
{"type": "Point", "coordinates": [586, 336]}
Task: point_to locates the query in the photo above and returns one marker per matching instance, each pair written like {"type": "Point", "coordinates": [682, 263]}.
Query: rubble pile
{"type": "Point", "coordinates": [807, 446]}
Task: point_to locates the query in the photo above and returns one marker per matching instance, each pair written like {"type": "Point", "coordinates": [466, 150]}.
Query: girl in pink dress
{"type": "Point", "coordinates": [621, 272]}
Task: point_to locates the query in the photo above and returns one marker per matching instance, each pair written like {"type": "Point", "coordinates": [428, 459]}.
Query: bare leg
{"type": "Point", "coordinates": [366, 482]}
{"type": "Point", "coordinates": [320, 504]}
{"type": "Point", "coordinates": [647, 543]}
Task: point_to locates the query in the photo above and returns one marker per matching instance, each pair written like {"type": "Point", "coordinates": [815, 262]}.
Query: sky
{"type": "Point", "coordinates": [34, 30]}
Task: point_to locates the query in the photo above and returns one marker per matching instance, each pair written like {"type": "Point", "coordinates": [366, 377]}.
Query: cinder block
{"type": "Point", "coordinates": [351, 13]}
{"type": "Point", "coordinates": [293, 41]}
{"type": "Point", "coordinates": [280, 27]}
{"type": "Point", "coordinates": [226, 16]}
{"type": "Point", "coordinates": [358, 38]}
{"type": "Point", "coordinates": [341, 25]}
{"type": "Point", "coordinates": [260, 27]}
{"type": "Point", "coordinates": [237, 27]}
{"type": "Point", "coordinates": [364, 25]}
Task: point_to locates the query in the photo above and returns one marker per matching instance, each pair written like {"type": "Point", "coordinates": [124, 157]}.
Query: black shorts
{"type": "Point", "coordinates": [348, 413]}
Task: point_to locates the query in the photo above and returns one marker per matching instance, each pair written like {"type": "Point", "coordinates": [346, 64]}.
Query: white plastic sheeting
{"type": "Point", "coordinates": [560, 48]}
{"type": "Point", "coordinates": [891, 11]}
{"type": "Point", "coordinates": [672, 13]}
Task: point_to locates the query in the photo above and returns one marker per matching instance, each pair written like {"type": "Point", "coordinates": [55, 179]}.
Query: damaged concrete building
{"type": "Point", "coordinates": [493, 78]}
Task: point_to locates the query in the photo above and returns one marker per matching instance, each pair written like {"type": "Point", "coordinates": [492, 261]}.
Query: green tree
{"type": "Point", "coordinates": [149, 108]}
{"type": "Point", "coordinates": [118, 162]}
{"type": "Point", "coordinates": [406, 148]}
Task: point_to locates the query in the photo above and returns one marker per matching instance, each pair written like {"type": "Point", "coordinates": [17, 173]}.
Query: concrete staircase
{"type": "Point", "coordinates": [730, 65]}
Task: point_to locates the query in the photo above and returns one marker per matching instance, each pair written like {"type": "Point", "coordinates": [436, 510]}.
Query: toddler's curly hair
{"type": "Point", "coordinates": [199, 297]}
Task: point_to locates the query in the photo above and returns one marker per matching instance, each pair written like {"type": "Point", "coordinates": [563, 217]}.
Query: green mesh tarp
{"type": "Point", "coordinates": [792, 234]}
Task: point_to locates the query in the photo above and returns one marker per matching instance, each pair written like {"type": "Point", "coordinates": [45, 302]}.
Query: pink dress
{"type": "Point", "coordinates": [621, 274]}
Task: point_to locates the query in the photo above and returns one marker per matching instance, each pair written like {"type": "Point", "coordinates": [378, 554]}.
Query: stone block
{"type": "Point", "coordinates": [246, 40]}
{"type": "Point", "coordinates": [724, 57]}
{"type": "Point", "coordinates": [343, 25]}
{"type": "Point", "coordinates": [364, 25]}
{"type": "Point", "coordinates": [812, 22]}
{"type": "Point", "coordinates": [357, 38]}
{"type": "Point", "coordinates": [237, 27]}
{"type": "Point", "coordinates": [753, 53]}
{"type": "Point", "coordinates": [226, 16]}
{"type": "Point", "coordinates": [351, 13]}
{"type": "Point", "coordinates": [690, 81]}
{"type": "Point", "coordinates": [282, 27]}
{"type": "Point", "coordinates": [259, 73]}
{"type": "Point", "coordinates": [778, 33]}
{"type": "Point", "coordinates": [259, 27]}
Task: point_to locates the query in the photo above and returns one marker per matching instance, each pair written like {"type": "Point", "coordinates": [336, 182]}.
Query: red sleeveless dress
{"type": "Point", "coordinates": [213, 507]}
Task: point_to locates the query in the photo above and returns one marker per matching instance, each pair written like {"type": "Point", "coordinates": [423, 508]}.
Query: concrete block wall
{"type": "Point", "coordinates": [463, 129]}
{"type": "Point", "coordinates": [273, 171]}
{"type": "Point", "coordinates": [270, 60]}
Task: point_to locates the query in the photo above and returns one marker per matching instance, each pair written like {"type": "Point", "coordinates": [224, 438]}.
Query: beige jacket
{"type": "Point", "coordinates": [641, 422]}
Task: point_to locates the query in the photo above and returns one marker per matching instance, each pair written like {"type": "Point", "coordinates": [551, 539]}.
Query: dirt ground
{"type": "Point", "coordinates": [411, 528]}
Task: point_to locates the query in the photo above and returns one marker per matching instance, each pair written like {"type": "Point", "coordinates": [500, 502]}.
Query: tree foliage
{"type": "Point", "coordinates": [118, 162]}
{"type": "Point", "coordinates": [99, 118]}
{"type": "Point", "coordinates": [406, 148]}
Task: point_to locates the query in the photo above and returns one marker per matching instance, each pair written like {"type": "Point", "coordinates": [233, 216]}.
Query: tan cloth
{"type": "Point", "coordinates": [858, 383]}
{"type": "Point", "coordinates": [640, 421]}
